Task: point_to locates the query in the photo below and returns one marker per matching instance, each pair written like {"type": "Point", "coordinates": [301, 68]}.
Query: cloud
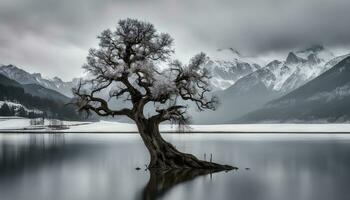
{"type": "Point", "coordinates": [54, 36]}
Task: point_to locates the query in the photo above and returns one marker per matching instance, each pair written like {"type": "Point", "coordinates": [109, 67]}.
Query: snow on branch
{"type": "Point", "coordinates": [126, 64]}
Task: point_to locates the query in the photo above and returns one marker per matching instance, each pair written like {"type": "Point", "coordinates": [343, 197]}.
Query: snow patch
{"type": "Point", "coordinates": [105, 126]}
{"type": "Point", "coordinates": [17, 106]}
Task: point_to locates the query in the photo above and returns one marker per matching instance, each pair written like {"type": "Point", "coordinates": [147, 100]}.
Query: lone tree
{"type": "Point", "coordinates": [125, 65]}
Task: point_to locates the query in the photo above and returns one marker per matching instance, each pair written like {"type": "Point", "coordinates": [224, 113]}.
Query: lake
{"type": "Point", "coordinates": [102, 166]}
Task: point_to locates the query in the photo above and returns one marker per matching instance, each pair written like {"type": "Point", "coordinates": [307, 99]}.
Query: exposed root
{"type": "Point", "coordinates": [165, 156]}
{"type": "Point", "coordinates": [168, 157]}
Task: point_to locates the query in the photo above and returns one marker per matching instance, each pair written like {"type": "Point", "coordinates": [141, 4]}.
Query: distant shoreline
{"type": "Point", "coordinates": [23, 125]}
{"type": "Point", "coordinates": [163, 132]}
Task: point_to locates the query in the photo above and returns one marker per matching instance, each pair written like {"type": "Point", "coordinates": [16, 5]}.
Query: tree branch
{"type": "Point", "coordinates": [127, 58]}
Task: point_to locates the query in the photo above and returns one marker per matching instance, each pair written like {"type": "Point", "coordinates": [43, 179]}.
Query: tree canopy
{"type": "Point", "coordinates": [134, 63]}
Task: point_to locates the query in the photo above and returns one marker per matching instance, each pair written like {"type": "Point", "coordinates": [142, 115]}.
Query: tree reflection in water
{"type": "Point", "coordinates": [161, 181]}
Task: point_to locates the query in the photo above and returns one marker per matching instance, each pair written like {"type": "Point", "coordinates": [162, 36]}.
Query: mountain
{"type": "Point", "coordinates": [5, 81]}
{"type": "Point", "coordinates": [34, 100]}
{"type": "Point", "coordinates": [227, 66]}
{"type": "Point", "coordinates": [272, 81]}
{"type": "Point", "coordinates": [243, 84]}
{"type": "Point", "coordinates": [241, 98]}
{"type": "Point", "coordinates": [40, 91]}
{"type": "Point", "coordinates": [325, 98]}
{"type": "Point", "coordinates": [298, 68]}
{"type": "Point", "coordinates": [33, 89]}
{"type": "Point", "coordinates": [24, 77]}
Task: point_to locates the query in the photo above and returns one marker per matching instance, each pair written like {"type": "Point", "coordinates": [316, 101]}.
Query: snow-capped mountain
{"type": "Point", "coordinates": [324, 99]}
{"type": "Point", "coordinates": [227, 66]}
{"type": "Point", "coordinates": [24, 77]}
{"type": "Point", "coordinates": [27, 100]}
{"type": "Point", "coordinates": [298, 68]}
{"type": "Point", "coordinates": [274, 80]}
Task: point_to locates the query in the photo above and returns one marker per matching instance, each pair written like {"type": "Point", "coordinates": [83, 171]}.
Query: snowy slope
{"type": "Point", "coordinates": [276, 79]}
{"type": "Point", "coordinates": [227, 66]}
{"type": "Point", "coordinates": [325, 98]}
{"type": "Point", "coordinates": [298, 68]}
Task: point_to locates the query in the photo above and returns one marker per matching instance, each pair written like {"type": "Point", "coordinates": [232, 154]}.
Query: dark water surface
{"type": "Point", "coordinates": [102, 166]}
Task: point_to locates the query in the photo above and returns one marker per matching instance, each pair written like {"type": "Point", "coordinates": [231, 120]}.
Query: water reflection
{"type": "Point", "coordinates": [102, 166]}
{"type": "Point", "coordinates": [22, 152]}
{"type": "Point", "coordinates": [160, 182]}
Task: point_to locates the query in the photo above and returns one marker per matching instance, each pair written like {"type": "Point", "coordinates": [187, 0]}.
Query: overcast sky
{"type": "Point", "coordinates": [53, 36]}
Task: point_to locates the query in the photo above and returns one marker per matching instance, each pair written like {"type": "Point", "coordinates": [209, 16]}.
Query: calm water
{"type": "Point", "coordinates": [102, 166]}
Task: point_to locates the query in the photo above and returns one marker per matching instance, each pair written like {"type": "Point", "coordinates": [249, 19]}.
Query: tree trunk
{"type": "Point", "coordinates": [164, 155]}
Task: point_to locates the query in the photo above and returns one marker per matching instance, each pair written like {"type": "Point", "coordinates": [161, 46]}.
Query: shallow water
{"type": "Point", "coordinates": [102, 166]}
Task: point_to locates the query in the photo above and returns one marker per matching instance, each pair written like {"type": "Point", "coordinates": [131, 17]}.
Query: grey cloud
{"type": "Point", "coordinates": [53, 36]}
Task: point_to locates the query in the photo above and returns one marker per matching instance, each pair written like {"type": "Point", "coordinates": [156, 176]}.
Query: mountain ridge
{"type": "Point", "coordinates": [325, 98]}
{"type": "Point", "coordinates": [24, 77]}
{"type": "Point", "coordinates": [35, 97]}
{"type": "Point", "coordinates": [271, 82]}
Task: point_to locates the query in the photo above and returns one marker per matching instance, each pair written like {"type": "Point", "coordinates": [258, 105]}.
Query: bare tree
{"type": "Point", "coordinates": [125, 64]}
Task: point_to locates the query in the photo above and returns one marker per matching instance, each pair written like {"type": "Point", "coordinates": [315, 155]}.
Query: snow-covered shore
{"type": "Point", "coordinates": [104, 126]}
{"type": "Point", "coordinates": [23, 124]}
